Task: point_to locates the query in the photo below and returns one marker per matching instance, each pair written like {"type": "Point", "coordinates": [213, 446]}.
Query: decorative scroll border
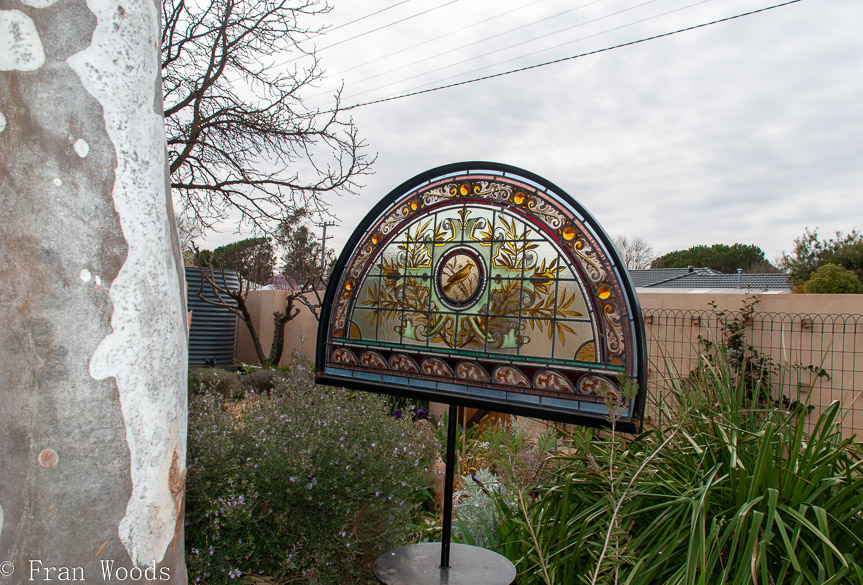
{"type": "Point", "coordinates": [534, 380]}
{"type": "Point", "coordinates": [568, 231]}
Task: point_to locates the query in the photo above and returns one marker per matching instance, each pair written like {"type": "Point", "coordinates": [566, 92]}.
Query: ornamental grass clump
{"type": "Point", "coordinates": [726, 490]}
{"type": "Point", "coordinates": [300, 483]}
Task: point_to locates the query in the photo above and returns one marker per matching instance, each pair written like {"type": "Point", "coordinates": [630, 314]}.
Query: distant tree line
{"type": "Point", "coordinates": [815, 265]}
{"type": "Point", "coordinates": [721, 257]}
{"type": "Point", "coordinates": [833, 266]}
{"type": "Point", "coordinates": [291, 258]}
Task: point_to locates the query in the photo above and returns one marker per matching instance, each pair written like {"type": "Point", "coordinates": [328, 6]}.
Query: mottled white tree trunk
{"type": "Point", "coordinates": [92, 318]}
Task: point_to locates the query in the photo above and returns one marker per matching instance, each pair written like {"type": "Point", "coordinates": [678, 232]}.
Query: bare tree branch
{"type": "Point", "coordinates": [636, 253]}
{"type": "Point", "coordinates": [187, 229]}
{"type": "Point", "coordinates": [258, 157]}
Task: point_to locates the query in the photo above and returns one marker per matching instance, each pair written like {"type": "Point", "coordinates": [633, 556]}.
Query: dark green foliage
{"type": "Point", "coordinates": [756, 371]}
{"type": "Point", "coordinates": [810, 252]}
{"type": "Point", "coordinates": [407, 407]}
{"type": "Point", "coordinates": [721, 257]}
{"type": "Point", "coordinates": [201, 257]}
{"type": "Point", "coordinates": [832, 279]}
{"type": "Point", "coordinates": [302, 484]}
{"type": "Point", "coordinates": [253, 258]}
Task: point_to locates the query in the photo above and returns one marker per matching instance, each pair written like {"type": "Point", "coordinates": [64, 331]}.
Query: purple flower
{"type": "Point", "coordinates": [397, 414]}
{"type": "Point", "coordinates": [422, 414]}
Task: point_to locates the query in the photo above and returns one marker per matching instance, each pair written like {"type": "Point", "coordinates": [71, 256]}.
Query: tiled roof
{"type": "Point", "coordinates": [707, 278]}
{"type": "Point", "coordinates": [656, 276]}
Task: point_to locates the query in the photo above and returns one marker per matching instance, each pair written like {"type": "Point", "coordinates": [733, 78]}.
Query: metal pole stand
{"type": "Point", "coordinates": [427, 563]}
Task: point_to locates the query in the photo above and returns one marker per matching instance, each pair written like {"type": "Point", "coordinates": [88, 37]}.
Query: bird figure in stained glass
{"type": "Point", "coordinates": [458, 276]}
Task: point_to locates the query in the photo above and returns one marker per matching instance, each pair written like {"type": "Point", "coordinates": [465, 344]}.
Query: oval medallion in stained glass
{"type": "Point", "coordinates": [459, 278]}
{"type": "Point", "coordinates": [498, 289]}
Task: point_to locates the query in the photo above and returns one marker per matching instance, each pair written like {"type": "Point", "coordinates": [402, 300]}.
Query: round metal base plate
{"type": "Point", "coordinates": [419, 564]}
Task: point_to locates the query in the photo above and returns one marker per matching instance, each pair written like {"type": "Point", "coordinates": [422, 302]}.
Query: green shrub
{"type": "Point", "coordinates": [476, 509]}
{"type": "Point", "coordinates": [832, 279]}
{"type": "Point", "coordinates": [301, 483]}
{"type": "Point", "coordinates": [263, 381]}
{"type": "Point", "coordinates": [214, 381]}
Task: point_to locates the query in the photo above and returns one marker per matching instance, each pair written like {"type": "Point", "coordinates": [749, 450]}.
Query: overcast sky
{"type": "Point", "coordinates": [745, 131]}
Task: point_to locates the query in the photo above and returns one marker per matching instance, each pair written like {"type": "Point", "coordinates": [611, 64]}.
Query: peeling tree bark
{"type": "Point", "coordinates": [92, 344]}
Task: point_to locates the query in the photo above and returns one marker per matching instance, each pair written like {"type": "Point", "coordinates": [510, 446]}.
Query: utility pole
{"type": "Point", "coordinates": [324, 239]}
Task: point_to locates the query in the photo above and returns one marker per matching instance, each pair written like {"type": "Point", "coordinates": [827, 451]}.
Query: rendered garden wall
{"type": "Point", "coordinates": [822, 331]}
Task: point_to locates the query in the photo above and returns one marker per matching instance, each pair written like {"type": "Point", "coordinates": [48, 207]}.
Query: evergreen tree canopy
{"type": "Point", "coordinates": [721, 257]}
{"type": "Point", "coordinates": [253, 258]}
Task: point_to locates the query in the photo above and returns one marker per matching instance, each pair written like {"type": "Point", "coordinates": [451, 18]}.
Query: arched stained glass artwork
{"type": "Point", "coordinates": [483, 285]}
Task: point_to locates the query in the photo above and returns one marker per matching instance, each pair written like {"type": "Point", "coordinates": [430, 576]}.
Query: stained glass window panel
{"type": "Point", "coordinates": [488, 288]}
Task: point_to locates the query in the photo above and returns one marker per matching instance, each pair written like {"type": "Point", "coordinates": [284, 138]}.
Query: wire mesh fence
{"type": "Point", "coordinates": [815, 359]}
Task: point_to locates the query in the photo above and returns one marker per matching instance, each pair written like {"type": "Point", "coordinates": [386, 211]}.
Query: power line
{"type": "Point", "coordinates": [474, 58]}
{"type": "Point", "coordinates": [506, 32]}
{"type": "Point", "coordinates": [356, 20]}
{"type": "Point", "coordinates": [622, 26]}
{"type": "Point", "coordinates": [388, 25]}
{"type": "Point", "coordinates": [463, 73]}
{"type": "Point", "coordinates": [570, 58]}
{"type": "Point", "coordinates": [368, 32]}
{"type": "Point", "coordinates": [437, 38]}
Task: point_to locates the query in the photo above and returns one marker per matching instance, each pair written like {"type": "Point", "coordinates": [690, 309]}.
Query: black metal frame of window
{"type": "Point", "coordinates": [413, 349]}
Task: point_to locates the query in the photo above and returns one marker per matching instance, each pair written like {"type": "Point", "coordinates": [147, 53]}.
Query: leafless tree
{"type": "Point", "coordinates": [187, 229]}
{"type": "Point", "coordinates": [241, 144]}
{"type": "Point", "coordinates": [636, 253]}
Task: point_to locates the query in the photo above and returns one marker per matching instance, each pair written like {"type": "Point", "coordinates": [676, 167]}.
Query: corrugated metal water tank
{"type": "Point", "coordinates": [213, 333]}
